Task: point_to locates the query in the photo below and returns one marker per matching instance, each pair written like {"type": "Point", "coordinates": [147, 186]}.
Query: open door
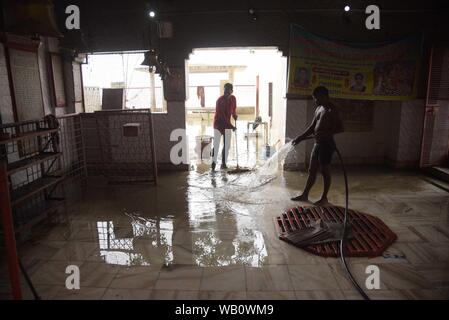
{"type": "Point", "coordinates": [435, 140]}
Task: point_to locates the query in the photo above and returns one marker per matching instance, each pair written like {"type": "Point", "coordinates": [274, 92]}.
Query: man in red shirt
{"type": "Point", "coordinates": [225, 108]}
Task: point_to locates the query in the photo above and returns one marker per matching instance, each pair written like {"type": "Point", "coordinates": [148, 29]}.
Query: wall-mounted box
{"type": "Point", "coordinates": [131, 129]}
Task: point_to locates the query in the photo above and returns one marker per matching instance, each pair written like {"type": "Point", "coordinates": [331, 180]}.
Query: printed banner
{"type": "Point", "coordinates": [352, 71]}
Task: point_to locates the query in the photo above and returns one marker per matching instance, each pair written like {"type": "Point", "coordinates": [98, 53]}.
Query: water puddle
{"type": "Point", "coordinates": [243, 187]}
{"type": "Point", "coordinates": [219, 228]}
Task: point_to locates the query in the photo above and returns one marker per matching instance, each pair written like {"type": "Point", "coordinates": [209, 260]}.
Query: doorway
{"type": "Point", "coordinates": [258, 76]}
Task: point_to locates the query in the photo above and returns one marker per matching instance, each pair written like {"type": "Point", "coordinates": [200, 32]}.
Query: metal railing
{"type": "Point", "coordinates": [119, 144]}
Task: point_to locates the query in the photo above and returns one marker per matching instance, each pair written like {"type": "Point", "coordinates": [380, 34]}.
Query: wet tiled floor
{"type": "Point", "coordinates": [199, 235]}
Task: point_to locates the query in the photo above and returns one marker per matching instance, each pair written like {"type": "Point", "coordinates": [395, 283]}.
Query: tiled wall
{"type": "Point", "coordinates": [297, 120]}
{"type": "Point", "coordinates": [45, 84]}
{"type": "Point", "coordinates": [6, 113]}
{"type": "Point", "coordinates": [395, 137]}
{"type": "Point", "coordinates": [393, 132]}
{"type": "Point", "coordinates": [77, 87]}
{"type": "Point", "coordinates": [69, 87]}
{"type": "Point", "coordinates": [410, 132]}
{"type": "Point", "coordinates": [164, 124]}
{"type": "Point", "coordinates": [27, 84]}
{"type": "Point", "coordinates": [440, 141]}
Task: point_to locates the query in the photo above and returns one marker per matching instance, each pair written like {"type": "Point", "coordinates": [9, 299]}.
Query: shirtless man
{"type": "Point", "coordinates": [325, 124]}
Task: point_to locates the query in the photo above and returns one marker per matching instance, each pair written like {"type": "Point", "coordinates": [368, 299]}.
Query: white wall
{"type": "Point", "coordinates": [279, 103]}
{"type": "Point", "coordinates": [164, 124]}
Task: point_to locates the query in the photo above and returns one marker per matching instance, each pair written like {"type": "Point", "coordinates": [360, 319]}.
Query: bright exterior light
{"type": "Point", "coordinates": [347, 8]}
{"type": "Point", "coordinates": [152, 14]}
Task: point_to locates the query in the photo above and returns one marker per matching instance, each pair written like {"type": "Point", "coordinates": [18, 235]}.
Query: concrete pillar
{"type": "Point", "coordinates": [152, 92]}
{"type": "Point", "coordinates": [174, 118]}
{"type": "Point", "coordinates": [296, 122]}
{"type": "Point", "coordinates": [410, 133]}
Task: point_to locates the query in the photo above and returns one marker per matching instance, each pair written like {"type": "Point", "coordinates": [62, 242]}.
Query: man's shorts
{"type": "Point", "coordinates": [323, 151]}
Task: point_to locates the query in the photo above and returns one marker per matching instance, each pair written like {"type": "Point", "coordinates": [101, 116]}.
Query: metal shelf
{"type": "Point", "coordinates": [17, 166]}
{"type": "Point", "coordinates": [48, 206]}
{"type": "Point", "coordinates": [27, 135]}
{"type": "Point", "coordinates": [32, 188]}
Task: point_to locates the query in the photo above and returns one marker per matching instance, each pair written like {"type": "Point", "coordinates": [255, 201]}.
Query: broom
{"type": "Point", "coordinates": [238, 169]}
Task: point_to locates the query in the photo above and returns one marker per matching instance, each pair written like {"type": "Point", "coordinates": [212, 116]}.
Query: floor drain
{"type": "Point", "coordinates": [371, 236]}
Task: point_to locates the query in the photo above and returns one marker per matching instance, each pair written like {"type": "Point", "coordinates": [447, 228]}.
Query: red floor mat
{"type": "Point", "coordinates": [371, 237]}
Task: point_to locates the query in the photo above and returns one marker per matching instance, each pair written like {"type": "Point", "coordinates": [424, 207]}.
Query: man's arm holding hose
{"type": "Point", "coordinates": [309, 131]}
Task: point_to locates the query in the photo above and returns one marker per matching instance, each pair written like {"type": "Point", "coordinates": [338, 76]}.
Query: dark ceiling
{"type": "Point", "coordinates": [112, 25]}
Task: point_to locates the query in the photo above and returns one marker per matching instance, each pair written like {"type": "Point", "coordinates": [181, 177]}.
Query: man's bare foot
{"type": "Point", "coordinates": [302, 197]}
{"type": "Point", "coordinates": [322, 202]}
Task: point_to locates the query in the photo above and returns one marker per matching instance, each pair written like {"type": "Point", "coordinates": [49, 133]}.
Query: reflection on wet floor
{"type": "Point", "coordinates": [219, 228]}
{"type": "Point", "coordinates": [131, 245]}
{"type": "Point", "coordinates": [247, 248]}
{"type": "Point", "coordinates": [150, 241]}
{"type": "Point", "coordinates": [213, 233]}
